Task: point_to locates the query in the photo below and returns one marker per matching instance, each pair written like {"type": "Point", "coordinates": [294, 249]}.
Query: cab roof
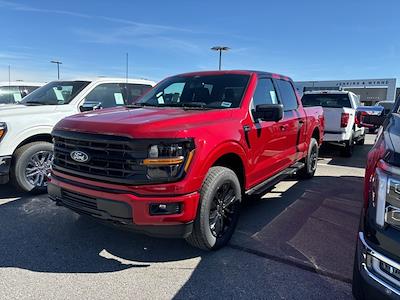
{"type": "Point", "coordinates": [238, 72]}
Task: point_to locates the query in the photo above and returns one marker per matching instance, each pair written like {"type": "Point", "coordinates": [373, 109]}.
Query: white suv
{"type": "Point", "coordinates": [25, 128]}
{"type": "Point", "coordinates": [339, 108]}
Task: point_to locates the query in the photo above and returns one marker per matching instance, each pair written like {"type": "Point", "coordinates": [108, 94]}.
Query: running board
{"type": "Point", "coordinates": [270, 182]}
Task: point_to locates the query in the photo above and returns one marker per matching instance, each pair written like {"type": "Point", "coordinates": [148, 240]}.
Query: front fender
{"type": "Point", "coordinates": [207, 158]}
{"type": "Point", "coordinates": [13, 139]}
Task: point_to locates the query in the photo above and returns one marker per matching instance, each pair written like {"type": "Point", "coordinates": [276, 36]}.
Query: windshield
{"type": "Point", "coordinates": [212, 91]}
{"type": "Point", "coordinates": [326, 100]}
{"type": "Point", "coordinates": [55, 93]}
{"type": "Point", "coordinates": [385, 105]}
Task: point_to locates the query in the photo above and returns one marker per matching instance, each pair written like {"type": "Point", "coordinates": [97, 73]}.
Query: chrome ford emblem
{"type": "Point", "coordinates": [79, 156]}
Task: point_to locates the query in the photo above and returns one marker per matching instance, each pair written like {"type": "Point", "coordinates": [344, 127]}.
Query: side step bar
{"type": "Point", "coordinates": [270, 182]}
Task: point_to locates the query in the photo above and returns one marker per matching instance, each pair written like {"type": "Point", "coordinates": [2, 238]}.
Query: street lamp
{"type": "Point", "coordinates": [220, 49]}
{"type": "Point", "coordinates": [58, 67]}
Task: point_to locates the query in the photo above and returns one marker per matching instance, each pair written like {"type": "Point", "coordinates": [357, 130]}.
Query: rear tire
{"type": "Point", "coordinates": [361, 141]}
{"type": "Point", "coordinates": [33, 158]}
{"type": "Point", "coordinates": [347, 151]}
{"type": "Point", "coordinates": [311, 161]}
{"type": "Point", "coordinates": [220, 199]}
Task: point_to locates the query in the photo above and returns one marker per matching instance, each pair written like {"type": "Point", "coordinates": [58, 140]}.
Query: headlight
{"type": "Point", "coordinates": [3, 130]}
{"type": "Point", "coordinates": [386, 195]}
{"type": "Point", "coordinates": [168, 160]}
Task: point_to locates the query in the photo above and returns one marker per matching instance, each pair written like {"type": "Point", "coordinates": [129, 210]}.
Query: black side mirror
{"type": "Point", "coordinates": [370, 116]}
{"type": "Point", "coordinates": [268, 112]}
{"type": "Point", "coordinates": [89, 106]}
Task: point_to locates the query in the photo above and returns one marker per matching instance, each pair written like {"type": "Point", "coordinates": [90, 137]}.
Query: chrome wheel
{"type": "Point", "coordinates": [223, 208]}
{"type": "Point", "coordinates": [37, 170]}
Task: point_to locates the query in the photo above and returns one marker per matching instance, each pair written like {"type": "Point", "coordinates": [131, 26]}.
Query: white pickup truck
{"type": "Point", "coordinates": [339, 108]}
{"type": "Point", "coordinates": [14, 91]}
{"type": "Point", "coordinates": [25, 140]}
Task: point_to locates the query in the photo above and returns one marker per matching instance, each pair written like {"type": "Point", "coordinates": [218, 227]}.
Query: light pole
{"type": "Point", "coordinates": [58, 67]}
{"type": "Point", "coordinates": [220, 49]}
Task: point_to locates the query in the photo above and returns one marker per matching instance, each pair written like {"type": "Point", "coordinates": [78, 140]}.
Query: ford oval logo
{"type": "Point", "coordinates": [79, 156]}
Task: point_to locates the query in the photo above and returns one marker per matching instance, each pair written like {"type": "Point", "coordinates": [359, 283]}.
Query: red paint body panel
{"type": "Point", "coordinates": [272, 147]}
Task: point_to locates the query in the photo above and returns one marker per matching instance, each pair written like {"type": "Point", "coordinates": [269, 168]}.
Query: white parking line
{"type": "Point", "coordinates": [5, 201]}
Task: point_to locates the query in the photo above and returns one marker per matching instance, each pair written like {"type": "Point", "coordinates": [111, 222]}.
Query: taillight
{"type": "Point", "coordinates": [344, 120]}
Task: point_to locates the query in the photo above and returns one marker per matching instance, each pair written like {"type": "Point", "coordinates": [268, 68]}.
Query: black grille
{"type": "Point", "coordinates": [111, 158]}
{"type": "Point", "coordinates": [78, 200]}
{"type": "Point", "coordinates": [100, 208]}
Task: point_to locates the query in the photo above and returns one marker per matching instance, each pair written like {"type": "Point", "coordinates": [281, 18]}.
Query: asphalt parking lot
{"type": "Point", "coordinates": [296, 242]}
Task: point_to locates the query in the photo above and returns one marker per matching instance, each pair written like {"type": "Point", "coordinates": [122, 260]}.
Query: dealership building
{"type": "Point", "coordinates": [369, 90]}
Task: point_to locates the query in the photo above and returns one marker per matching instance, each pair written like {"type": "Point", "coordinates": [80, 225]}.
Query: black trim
{"type": "Point", "coordinates": [268, 183]}
{"type": "Point", "coordinates": [5, 170]}
{"type": "Point", "coordinates": [246, 129]}
{"type": "Point", "coordinates": [334, 132]}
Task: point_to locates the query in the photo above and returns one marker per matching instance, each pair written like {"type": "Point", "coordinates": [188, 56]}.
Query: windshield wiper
{"type": "Point", "coordinates": [187, 105]}
{"type": "Point", "coordinates": [139, 105]}
{"type": "Point", "coordinates": [37, 103]}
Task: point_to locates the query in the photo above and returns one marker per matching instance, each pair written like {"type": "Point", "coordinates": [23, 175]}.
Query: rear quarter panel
{"type": "Point", "coordinates": [315, 120]}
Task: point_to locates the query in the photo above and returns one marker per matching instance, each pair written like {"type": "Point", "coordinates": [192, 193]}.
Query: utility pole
{"type": "Point", "coordinates": [58, 67]}
{"type": "Point", "coordinates": [127, 66]}
{"type": "Point", "coordinates": [220, 49]}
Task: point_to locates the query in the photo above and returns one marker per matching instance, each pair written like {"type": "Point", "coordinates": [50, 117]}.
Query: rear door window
{"type": "Point", "coordinates": [287, 95]}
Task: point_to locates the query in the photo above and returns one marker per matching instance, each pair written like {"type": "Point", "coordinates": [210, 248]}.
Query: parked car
{"type": "Point", "coordinates": [387, 108]}
{"type": "Point", "coordinates": [25, 128]}
{"type": "Point", "coordinates": [178, 162]}
{"type": "Point", "coordinates": [339, 113]}
{"type": "Point", "coordinates": [13, 92]}
{"type": "Point", "coordinates": [377, 260]}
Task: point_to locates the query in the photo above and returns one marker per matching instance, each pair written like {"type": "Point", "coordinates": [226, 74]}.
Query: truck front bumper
{"type": "Point", "coordinates": [5, 165]}
{"type": "Point", "coordinates": [378, 272]}
{"type": "Point", "coordinates": [162, 216]}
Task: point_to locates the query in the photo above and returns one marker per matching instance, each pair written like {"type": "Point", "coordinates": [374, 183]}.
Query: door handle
{"type": "Point", "coordinates": [284, 127]}
{"type": "Point", "coordinates": [301, 123]}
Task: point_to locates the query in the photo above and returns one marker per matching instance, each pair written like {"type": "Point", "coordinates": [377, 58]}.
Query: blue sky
{"type": "Point", "coordinates": [306, 40]}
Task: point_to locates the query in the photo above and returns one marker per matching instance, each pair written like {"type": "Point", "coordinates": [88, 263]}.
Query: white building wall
{"type": "Point", "coordinates": [388, 83]}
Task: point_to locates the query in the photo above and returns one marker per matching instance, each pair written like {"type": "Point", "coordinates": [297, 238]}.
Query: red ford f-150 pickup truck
{"type": "Point", "coordinates": [179, 161]}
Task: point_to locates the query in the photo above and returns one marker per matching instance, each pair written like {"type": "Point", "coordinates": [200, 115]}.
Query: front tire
{"type": "Point", "coordinates": [31, 167]}
{"type": "Point", "coordinates": [218, 211]}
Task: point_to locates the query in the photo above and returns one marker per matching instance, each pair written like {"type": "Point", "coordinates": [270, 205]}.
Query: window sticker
{"type": "Point", "coordinates": [119, 99]}
{"type": "Point", "coordinates": [226, 104]}
{"type": "Point", "coordinates": [273, 97]}
{"type": "Point", "coordinates": [17, 97]}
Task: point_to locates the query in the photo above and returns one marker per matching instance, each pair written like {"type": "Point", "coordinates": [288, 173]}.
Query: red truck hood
{"type": "Point", "coordinates": [145, 122]}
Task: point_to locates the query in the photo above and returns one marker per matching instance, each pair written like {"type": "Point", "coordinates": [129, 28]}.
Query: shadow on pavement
{"type": "Point", "coordinates": [311, 223]}
{"type": "Point", "coordinates": [37, 235]}
{"type": "Point", "coordinates": [311, 226]}
{"type": "Point", "coordinates": [8, 191]}
{"type": "Point", "coordinates": [358, 160]}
